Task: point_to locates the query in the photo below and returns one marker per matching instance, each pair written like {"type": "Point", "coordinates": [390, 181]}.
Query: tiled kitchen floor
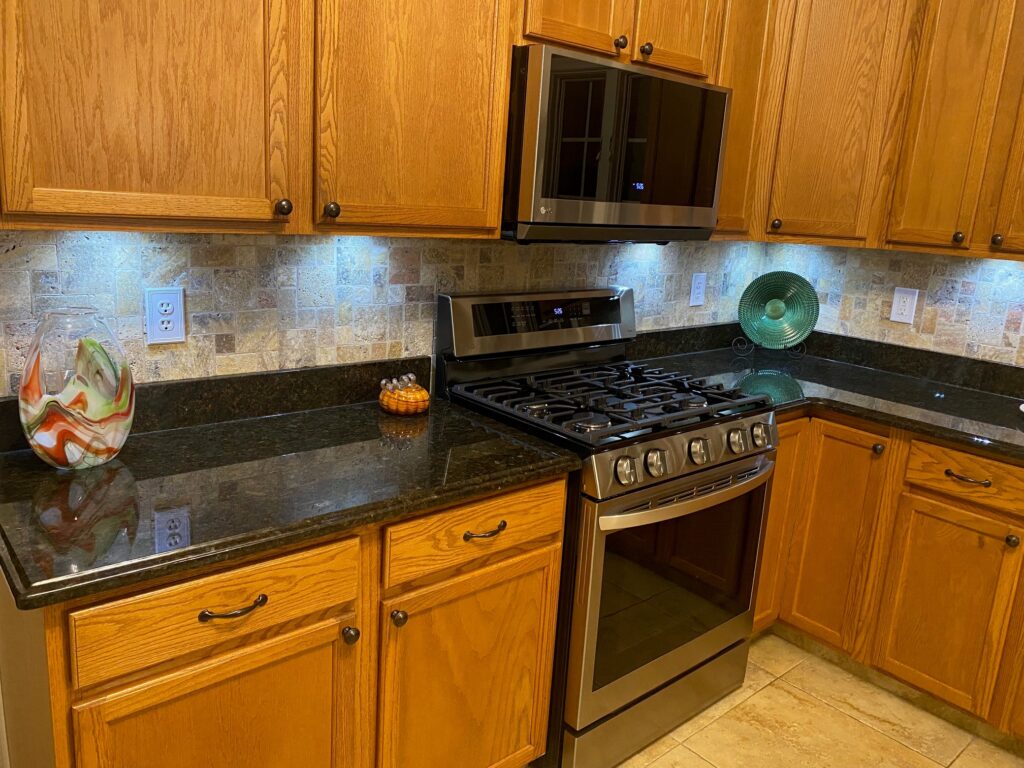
{"type": "Point", "coordinates": [798, 710]}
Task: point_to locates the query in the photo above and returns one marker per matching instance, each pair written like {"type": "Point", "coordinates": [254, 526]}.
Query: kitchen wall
{"type": "Point", "coordinates": [263, 303]}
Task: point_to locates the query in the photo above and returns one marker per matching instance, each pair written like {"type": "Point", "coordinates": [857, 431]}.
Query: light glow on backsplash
{"type": "Point", "coordinates": [267, 303]}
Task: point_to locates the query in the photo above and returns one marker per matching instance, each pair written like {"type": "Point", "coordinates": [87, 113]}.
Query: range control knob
{"type": "Point", "coordinates": [737, 440]}
{"type": "Point", "coordinates": [762, 435]}
{"type": "Point", "coordinates": [700, 451]}
{"type": "Point", "coordinates": [625, 470]}
{"type": "Point", "coordinates": [656, 463]}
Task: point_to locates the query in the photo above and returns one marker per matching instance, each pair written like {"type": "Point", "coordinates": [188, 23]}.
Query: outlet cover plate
{"type": "Point", "coordinates": [698, 287]}
{"type": "Point", "coordinates": [165, 315]}
{"type": "Point", "coordinates": [904, 305]}
{"type": "Point", "coordinates": [172, 528]}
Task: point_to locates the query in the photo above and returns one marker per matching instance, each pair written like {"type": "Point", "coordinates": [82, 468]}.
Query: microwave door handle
{"type": "Point", "coordinates": [621, 522]}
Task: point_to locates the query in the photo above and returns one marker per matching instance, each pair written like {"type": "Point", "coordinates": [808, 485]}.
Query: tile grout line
{"type": "Point", "coordinates": [966, 747]}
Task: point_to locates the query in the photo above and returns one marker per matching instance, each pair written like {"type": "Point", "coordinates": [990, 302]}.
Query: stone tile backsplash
{"type": "Point", "coordinates": [266, 303]}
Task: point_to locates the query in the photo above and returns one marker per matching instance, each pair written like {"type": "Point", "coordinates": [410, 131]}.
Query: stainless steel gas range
{"type": "Point", "coordinates": [663, 537]}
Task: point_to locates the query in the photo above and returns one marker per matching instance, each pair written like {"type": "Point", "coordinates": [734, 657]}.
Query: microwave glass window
{"type": "Point", "coordinates": [577, 136]}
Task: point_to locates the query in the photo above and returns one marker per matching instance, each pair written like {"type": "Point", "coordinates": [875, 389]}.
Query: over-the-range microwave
{"type": "Point", "coordinates": [605, 152]}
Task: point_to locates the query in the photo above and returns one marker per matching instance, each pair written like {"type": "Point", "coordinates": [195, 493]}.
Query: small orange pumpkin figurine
{"type": "Point", "coordinates": [403, 397]}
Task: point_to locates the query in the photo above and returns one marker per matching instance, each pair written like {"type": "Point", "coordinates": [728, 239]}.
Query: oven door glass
{"type": "Point", "coordinates": [672, 584]}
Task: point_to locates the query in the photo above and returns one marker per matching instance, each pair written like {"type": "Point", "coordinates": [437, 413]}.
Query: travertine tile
{"type": "Point", "coordinates": [775, 655]}
{"type": "Point", "coordinates": [651, 753]}
{"type": "Point", "coordinates": [880, 709]}
{"type": "Point", "coordinates": [756, 679]}
{"type": "Point", "coordinates": [781, 726]}
{"type": "Point", "coordinates": [981, 754]}
{"type": "Point", "coordinates": [680, 757]}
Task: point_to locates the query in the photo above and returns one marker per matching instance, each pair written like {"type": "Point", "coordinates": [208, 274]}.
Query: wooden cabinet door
{"type": "Point", "coordinates": [953, 104]}
{"type": "Point", "coordinates": [832, 117]}
{"type": "Point", "coordinates": [465, 681]}
{"type": "Point", "coordinates": [591, 24]}
{"type": "Point", "coordinates": [289, 701]}
{"type": "Point", "coordinates": [185, 109]}
{"type": "Point", "coordinates": [951, 580]}
{"type": "Point", "coordinates": [833, 532]}
{"type": "Point", "coordinates": [1009, 229]}
{"type": "Point", "coordinates": [412, 104]}
{"type": "Point", "coordinates": [742, 63]}
{"type": "Point", "coordinates": [681, 34]}
{"type": "Point", "coordinates": [787, 485]}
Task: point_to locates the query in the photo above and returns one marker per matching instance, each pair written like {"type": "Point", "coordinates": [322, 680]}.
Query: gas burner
{"type": "Point", "coordinates": [589, 422]}
{"type": "Point", "coordinates": [535, 409]}
{"type": "Point", "coordinates": [695, 401]}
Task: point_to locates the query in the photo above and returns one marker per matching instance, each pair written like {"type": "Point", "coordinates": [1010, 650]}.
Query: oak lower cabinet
{"type": "Point", "coordinates": [466, 666]}
{"type": "Point", "coordinates": [787, 485]}
{"type": "Point", "coordinates": [952, 577]}
{"type": "Point", "coordinates": [831, 547]}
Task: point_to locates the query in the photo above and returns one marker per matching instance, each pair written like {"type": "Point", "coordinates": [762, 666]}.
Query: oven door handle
{"type": "Point", "coordinates": [619, 522]}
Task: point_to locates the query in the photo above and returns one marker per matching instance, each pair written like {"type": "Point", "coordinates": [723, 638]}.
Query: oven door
{"type": "Point", "coordinates": [665, 582]}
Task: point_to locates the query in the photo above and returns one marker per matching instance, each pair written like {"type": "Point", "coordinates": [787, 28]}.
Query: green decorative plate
{"type": "Point", "coordinates": [778, 310]}
{"type": "Point", "coordinates": [779, 386]}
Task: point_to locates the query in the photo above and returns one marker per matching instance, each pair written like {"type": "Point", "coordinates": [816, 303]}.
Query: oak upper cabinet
{"type": "Point", "coordinates": [742, 63]}
{"type": "Point", "coordinates": [684, 35]}
{"type": "Point", "coordinates": [830, 91]}
{"type": "Point", "coordinates": [955, 92]}
{"type": "Point", "coordinates": [1009, 227]}
{"type": "Point", "coordinates": [158, 109]}
{"type": "Point", "coordinates": [466, 667]}
{"type": "Point", "coordinates": [785, 503]}
{"type": "Point", "coordinates": [412, 104]}
{"type": "Point", "coordinates": [604, 26]}
{"type": "Point", "coordinates": [952, 577]}
{"type": "Point", "coordinates": [831, 545]}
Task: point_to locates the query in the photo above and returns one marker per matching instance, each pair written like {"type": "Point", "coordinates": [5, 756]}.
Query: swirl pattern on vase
{"type": "Point", "coordinates": [85, 424]}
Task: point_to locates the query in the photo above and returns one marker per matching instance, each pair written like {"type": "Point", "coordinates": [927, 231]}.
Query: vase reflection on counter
{"type": "Point", "coordinates": [77, 397]}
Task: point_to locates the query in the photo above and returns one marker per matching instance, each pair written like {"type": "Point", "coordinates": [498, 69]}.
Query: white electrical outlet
{"type": "Point", "coordinates": [697, 288]}
{"type": "Point", "coordinates": [165, 315]}
{"type": "Point", "coordinates": [904, 305]}
{"type": "Point", "coordinates": [172, 528]}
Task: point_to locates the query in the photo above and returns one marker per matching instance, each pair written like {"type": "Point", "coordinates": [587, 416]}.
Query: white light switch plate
{"type": "Point", "coordinates": [904, 305]}
{"type": "Point", "coordinates": [697, 288]}
{"type": "Point", "coordinates": [165, 315]}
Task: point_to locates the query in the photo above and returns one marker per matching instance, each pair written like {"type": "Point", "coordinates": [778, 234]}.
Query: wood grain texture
{"type": "Point", "coordinates": [927, 467]}
{"type": "Point", "coordinates": [127, 635]}
{"type": "Point", "coordinates": [786, 500]}
{"type": "Point", "coordinates": [590, 24]}
{"type": "Point", "coordinates": [742, 65]}
{"type": "Point", "coordinates": [433, 544]}
{"type": "Point", "coordinates": [686, 34]}
{"type": "Point", "coordinates": [830, 551]}
{"type": "Point", "coordinates": [1010, 214]}
{"type": "Point", "coordinates": [466, 681]}
{"type": "Point", "coordinates": [951, 582]}
{"type": "Point", "coordinates": [831, 116]}
{"type": "Point", "coordinates": [282, 702]}
{"type": "Point", "coordinates": [412, 119]}
{"type": "Point", "coordinates": [176, 109]}
{"type": "Point", "coordinates": [955, 93]}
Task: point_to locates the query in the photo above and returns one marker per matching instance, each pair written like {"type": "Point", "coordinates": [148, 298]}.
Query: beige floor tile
{"type": "Point", "coordinates": [981, 754]}
{"type": "Point", "coordinates": [680, 757]}
{"type": "Point", "coordinates": [755, 680]}
{"type": "Point", "coordinates": [774, 654]}
{"type": "Point", "coordinates": [781, 725]}
{"type": "Point", "coordinates": [647, 756]}
{"type": "Point", "coordinates": [891, 715]}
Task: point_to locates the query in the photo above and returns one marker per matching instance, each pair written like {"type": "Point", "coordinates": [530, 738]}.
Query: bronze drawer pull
{"type": "Point", "coordinates": [259, 602]}
{"type": "Point", "coordinates": [971, 480]}
{"type": "Point", "coordinates": [469, 535]}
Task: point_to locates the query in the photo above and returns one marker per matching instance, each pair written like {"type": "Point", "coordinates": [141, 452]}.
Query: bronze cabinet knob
{"type": "Point", "coordinates": [997, 240]}
{"type": "Point", "coordinates": [332, 210]}
{"type": "Point", "coordinates": [958, 237]}
{"type": "Point", "coordinates": [621, 42]}
{"type": "Point", "coordinates": [1013, 541]}
{"type": "Point", "coordinates": [350, 635]}
{"type": "Point", "coordinates": [284, 207]}
{"type": "Point", "coordinates": [399, 618]}
{"type": "Point", "coordinates": [878, 449]}
{"type": "Point", "coordinates": [776, 223]}
{"type": "Point", "coordinates": [647, 49]}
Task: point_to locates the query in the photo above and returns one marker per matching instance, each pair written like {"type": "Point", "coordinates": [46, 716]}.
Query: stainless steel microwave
{"type": "Point", "coordinates": [605, 152]}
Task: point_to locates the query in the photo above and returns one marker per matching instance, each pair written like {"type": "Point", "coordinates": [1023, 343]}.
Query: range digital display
{"type": "Point", "coordinates": [504, 318]}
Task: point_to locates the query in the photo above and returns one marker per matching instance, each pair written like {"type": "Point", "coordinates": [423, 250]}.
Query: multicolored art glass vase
{"type": "Point", "coordinates": [77, 397]}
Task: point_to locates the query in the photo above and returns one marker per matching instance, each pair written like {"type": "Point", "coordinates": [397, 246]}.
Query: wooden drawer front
{"type": "Point", "coordinates": [128, 635]}
{"type": "Point", "coordinates": [999, 485]}
{"type": "Point", "coordinates": [436, 543]}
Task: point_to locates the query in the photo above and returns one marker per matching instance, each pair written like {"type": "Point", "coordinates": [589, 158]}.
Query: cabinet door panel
{"type": "Point", "coordinates": [832, 537]}
{"type": "Point", "coordinates": [154, 108]}
{"type": "Point", "coordinates": [951, 581]}
{"type": "Point", "coordinates": [826, 160]}
{"type": "Point", "coordinates": [953, 104]}
{"type": "Point", "coordinates": [593, 24]}
{"type": "Point", "coordinates": [685, 34]}
{"type": "Point", "coordinates": [466, 681]}
{"type": "Point", "coordinates": [1010, 218]}
{"type": "Point", "coordinates": [288, 701]}
{"type": "Point", "coordinates": [786, 496]}
{"type": "Point", "coordinates": [413, 117]}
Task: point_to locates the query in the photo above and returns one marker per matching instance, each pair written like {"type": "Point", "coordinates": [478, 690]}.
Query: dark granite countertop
{"type": "Point", "coordinates": [184, 498]}
{"type": "Point", "coordinates": [973, 418]}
